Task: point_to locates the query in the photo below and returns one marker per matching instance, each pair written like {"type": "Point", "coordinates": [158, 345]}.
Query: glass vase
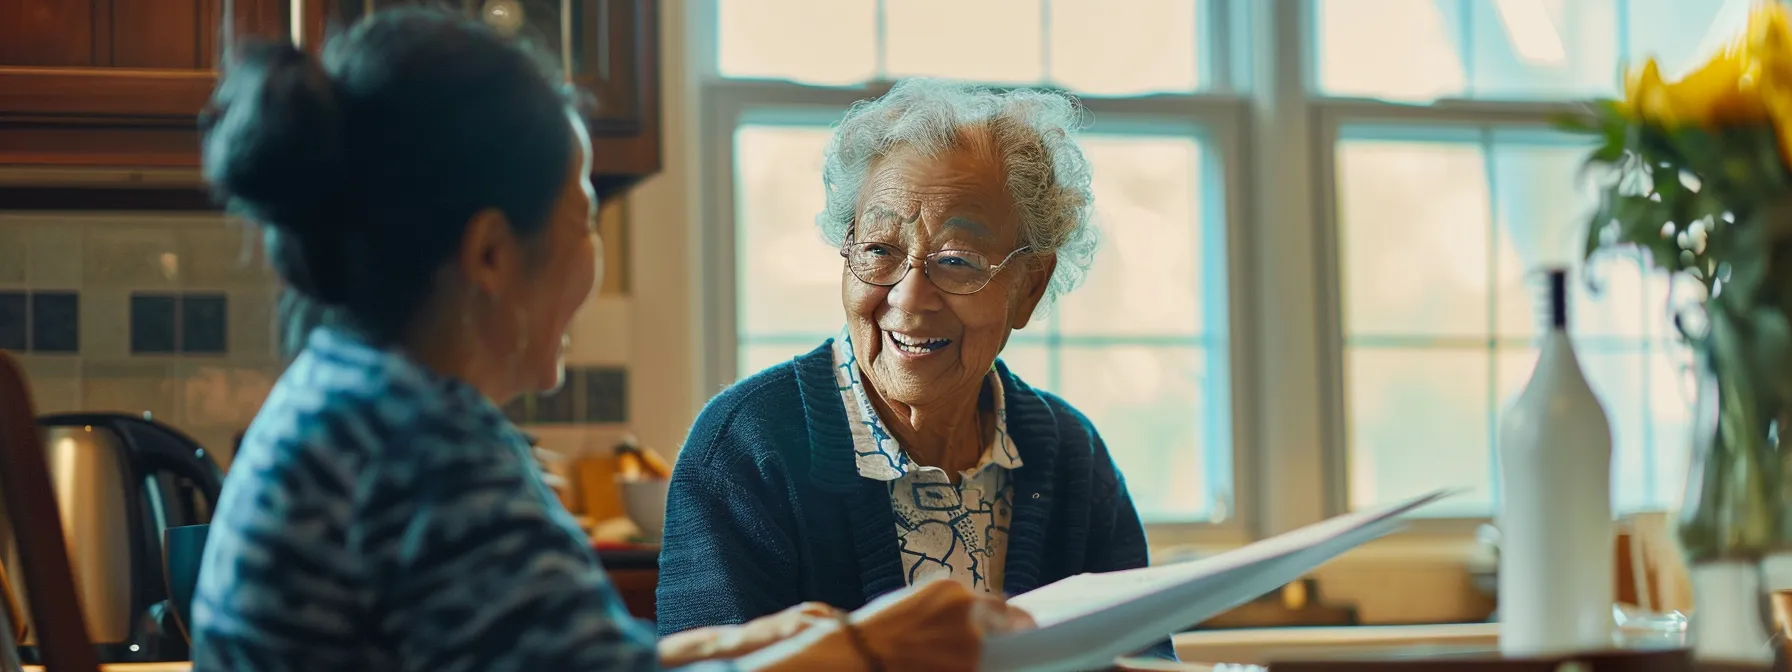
{"type": "Point", "coordinates": [1731, 523]}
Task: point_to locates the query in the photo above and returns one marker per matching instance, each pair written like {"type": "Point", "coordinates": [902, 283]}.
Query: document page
{"type": "Point", "coordinates": [1088, 620]}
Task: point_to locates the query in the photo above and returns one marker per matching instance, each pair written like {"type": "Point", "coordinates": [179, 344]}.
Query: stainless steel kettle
{"type": "Point", "coordinates": [119, 481]}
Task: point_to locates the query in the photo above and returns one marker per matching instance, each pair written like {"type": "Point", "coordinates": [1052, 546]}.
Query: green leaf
{"type": "Point", "coordinates": [1586, 120]}
{"type": "Point", "coordinates": [1769, 342]}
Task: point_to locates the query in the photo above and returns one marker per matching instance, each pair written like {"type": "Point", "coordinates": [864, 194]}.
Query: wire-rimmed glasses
{"type": "Point", "coordinates": [953, 271]}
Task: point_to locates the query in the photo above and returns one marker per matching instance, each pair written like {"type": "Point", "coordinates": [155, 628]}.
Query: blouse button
{"type": "Point", "coordinates": [1035, 495]}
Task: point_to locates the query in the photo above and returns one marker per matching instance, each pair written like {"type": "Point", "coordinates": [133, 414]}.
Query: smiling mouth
{"type": "Point", "coordinates": [910, 345]}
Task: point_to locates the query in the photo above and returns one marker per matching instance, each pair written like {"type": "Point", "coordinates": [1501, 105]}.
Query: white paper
{"type": "Point", "coordinates": [1088, 620]}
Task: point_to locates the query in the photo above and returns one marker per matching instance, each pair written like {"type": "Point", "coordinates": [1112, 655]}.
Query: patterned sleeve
{"type": "Point", "coordinates": [475, 570]}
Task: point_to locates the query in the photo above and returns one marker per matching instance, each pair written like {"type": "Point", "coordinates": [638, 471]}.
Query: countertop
{"type": "Point", "coordinates": [1257, 646]}
{"type": "Point", "coordinates": [1236, 646]}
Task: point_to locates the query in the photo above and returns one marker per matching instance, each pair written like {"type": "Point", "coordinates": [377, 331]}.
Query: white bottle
{"type": "Point", "coordinates": [1556, 579]}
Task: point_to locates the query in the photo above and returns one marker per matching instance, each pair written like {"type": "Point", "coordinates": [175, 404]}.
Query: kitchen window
{"type": "Point", "coordinates": [1317, 218]}
{"type": "Point", "coordinates": [1142, 347]}
{"type": "Point", "coordinates": [1442, 184]}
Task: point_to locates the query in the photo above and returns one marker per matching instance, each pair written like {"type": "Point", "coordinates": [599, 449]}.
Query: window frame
{"type": "Point", "coordinates": [1331, 116]}
{"type": "Point", "coordinates": [1218, 118]}
{"type": "Point", "coordinates": [1277, 136]}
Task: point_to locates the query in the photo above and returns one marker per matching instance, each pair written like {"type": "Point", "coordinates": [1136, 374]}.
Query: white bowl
{"type": "Point", "coordinates": [645, 503]}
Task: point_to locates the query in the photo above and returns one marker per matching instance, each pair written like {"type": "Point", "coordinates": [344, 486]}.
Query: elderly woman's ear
{"type": "Point", "coordinates": [1032, 289]}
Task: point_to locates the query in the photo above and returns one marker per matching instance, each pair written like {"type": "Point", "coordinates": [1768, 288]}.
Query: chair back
{"type": "Point", "coordinates": [62, 639]}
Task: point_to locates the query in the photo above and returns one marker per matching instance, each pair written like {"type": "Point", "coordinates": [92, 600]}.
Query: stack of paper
{"type": "Point", "coordinates": [1088, 620]}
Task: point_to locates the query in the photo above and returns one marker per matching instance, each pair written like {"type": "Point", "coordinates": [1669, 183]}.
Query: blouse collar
{"type": "Point", "coordinates": [878, 455]}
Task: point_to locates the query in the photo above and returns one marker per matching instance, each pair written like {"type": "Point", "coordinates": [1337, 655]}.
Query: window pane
{"type": "Point", "coordinates": [1419, 50]}
{"type": "Point", "coordinates": [1147, 277]}
{"type": "Point", "coordinates": [810, 41]}
{"type": "Point", "coordinates": [1413, 225]}
{"type": "Point", "coordinates": [1670, 403]}
{"type": "Point", "coordinates": [1031, 362]}
{"type": "Point", "coordinates": [996, 41]}
{"type": "Point", "coordinates": [1419, 420]}
{"type": "Point", "coordinates": [1149, 48]}
{"type": "Point", "coordinates": [1681, 34]}
{"type": "Point", "coordinates": [1149, 406]}
{"type": "Point", "coordinates": [1420, 325]}
{"type": "Point", "coordinates": [1544, 48]}
{"type": "Point", "coordinates": [1132, 365]}
{"type": "Point", "coordinates": [1395, 49]}
{"type": "Point", "coordinates": [786, 279]}
{"type": "Point", "coordinates": [1542, 206]}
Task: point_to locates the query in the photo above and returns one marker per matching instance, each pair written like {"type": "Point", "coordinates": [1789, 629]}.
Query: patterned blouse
{"type": "Point", "coordinates": [378, 517]}
{"type": "Point", "coordinates": [959, 531]}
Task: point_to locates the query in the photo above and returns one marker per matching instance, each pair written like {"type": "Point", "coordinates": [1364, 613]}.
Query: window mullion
{"type": "Point", "coordinates": [1287, 470]}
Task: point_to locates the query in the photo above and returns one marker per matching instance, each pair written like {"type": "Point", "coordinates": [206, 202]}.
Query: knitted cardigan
{"type": "Point", "coordinates": [767, 509]}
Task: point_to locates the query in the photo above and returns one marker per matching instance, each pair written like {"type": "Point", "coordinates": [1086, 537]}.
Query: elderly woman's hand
{"type": "Point", "coordinates": [936, 625]}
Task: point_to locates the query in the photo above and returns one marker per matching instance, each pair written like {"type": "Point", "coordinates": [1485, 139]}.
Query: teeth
{"type": "Point", "coordinates": [917, 346]}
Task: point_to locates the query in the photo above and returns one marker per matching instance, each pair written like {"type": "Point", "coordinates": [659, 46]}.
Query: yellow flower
{"type": "Point", "coordinates": [1766, 54]}
{"type": "Point", "coordinates": [1747, 82]}
{"type": "Point", "coordinates": [1768, 38]}
{"type": "Point", "coordinates": [1715, 94]}
{"type": "Point", "coordinates": [1645, 97]}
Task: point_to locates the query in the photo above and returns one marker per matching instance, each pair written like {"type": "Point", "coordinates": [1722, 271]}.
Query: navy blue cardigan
{"type": "Point", "coordinates": [768, 510]}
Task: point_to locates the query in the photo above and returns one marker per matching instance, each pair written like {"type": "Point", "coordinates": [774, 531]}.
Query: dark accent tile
{"type": "Point", "coordinates": [152, 323]}
{"type": "Point", "coordinates": [562, 405]}
{"type": "Point", "coordinates": [518, 409]}
{"type": "Point", "coordinates": [55, 322]}
{"type": "Point", "coordinates": [203, 320]}
{"type": "Point", "coordinates": [606, 394]}
{"type": "Point", "coordinates": [13, 329]}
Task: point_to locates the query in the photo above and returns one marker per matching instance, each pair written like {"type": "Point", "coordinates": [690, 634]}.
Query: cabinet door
{"type": "Point", "coordinates": [115, 82]}
{"type": "Point", "coordinates": [610, 48]}
{"type": "Point", "coordinates": [617, 60]}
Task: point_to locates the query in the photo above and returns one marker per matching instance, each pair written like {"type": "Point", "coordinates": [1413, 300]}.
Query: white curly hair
{"type": "Point", "coordinates": [1032, 131]}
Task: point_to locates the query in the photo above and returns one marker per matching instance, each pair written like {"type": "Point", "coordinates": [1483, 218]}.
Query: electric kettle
{"type": "Point", "coordinates": [120, 480]}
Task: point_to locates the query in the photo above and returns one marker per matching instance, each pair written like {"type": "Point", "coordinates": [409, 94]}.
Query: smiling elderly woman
{"type": "Point", "coordinates": [903, 449]}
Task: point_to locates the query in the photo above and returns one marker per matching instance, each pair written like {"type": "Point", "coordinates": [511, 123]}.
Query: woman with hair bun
{"type": "Point", "coordinates": [423, 193]}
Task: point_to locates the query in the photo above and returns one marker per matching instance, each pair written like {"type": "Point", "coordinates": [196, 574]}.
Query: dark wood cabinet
{"type": "Point", "coordinates": [609, 48]}
{"type": "Point", "coordinates": [119, 83]}
{"type": "Point", "coordinates": [115, 82]}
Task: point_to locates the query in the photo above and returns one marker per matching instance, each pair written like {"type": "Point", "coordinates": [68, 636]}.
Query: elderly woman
{"type": "Point", "coordinates": [903, 449]}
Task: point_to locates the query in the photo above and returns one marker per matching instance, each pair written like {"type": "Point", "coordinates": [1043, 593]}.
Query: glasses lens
{"type": "Point", "coordinates": [958, 271]}
{"type": "Point", "coordinates": [876, 263]}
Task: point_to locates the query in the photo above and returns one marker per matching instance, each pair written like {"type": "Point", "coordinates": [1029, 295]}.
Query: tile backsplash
{"type": "Point", "coordinates": [173, 314]}
{"type": "Point", "coordinates": [166, 314]}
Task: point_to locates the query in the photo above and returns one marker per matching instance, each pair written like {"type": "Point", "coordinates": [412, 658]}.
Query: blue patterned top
{"type": "Point", "coordinates": [958, 531]}
{"type": "Point", "coordinates": [378, 517]}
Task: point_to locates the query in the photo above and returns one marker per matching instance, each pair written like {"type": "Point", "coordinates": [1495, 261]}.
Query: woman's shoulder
{"type": "Point", "coordinates": [1055, 408]}
{"type": "Point", "coordinates": [758, 414]}
{"type": "Point", "coordinates": [1077, 440]}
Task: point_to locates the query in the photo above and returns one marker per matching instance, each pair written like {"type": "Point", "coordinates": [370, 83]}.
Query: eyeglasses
{"type": "Point", "coordinates": [953, 271]}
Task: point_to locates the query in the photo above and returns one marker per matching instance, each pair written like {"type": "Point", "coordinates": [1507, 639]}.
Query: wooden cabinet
{"type": "Point", "coordinates": [610, 48]}
{"type": "Point", "coordinates": [115, 82]}
{"type": "Point", "coordinates": [119, 83]}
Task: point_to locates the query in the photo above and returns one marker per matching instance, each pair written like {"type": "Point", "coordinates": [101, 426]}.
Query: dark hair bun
{"type": "Point", "coordinates": [364, 167]}
{"type": "Point", "coordinates": [273, 137]}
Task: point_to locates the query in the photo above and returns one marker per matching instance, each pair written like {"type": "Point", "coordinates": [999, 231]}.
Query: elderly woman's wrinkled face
{"type": "Point", "coordinates": [916, 343]}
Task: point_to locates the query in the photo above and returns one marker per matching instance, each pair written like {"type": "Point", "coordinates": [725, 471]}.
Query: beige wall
{"type": "Point", "coordinates": [663, 227]}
